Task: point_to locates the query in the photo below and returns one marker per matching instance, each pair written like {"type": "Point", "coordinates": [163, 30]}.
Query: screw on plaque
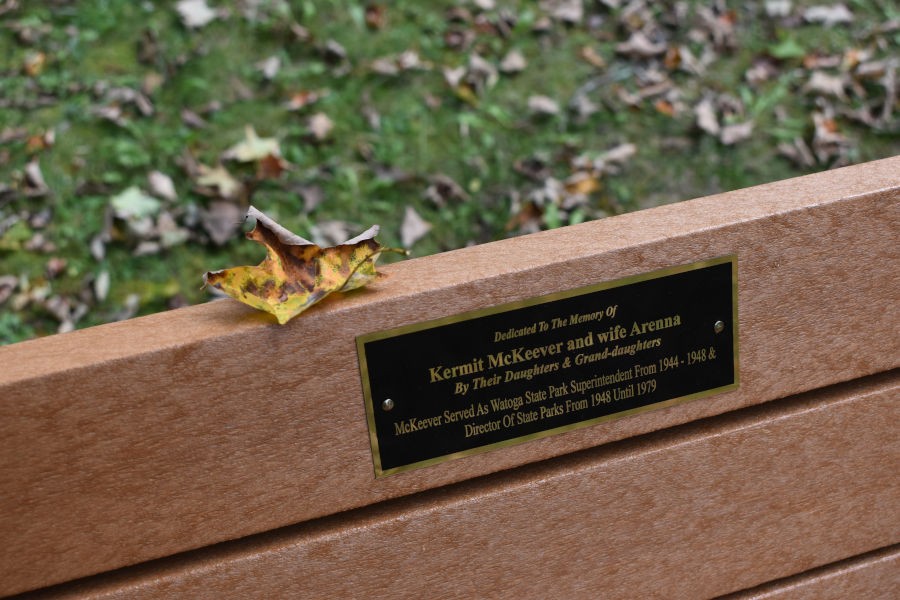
{"type": "Point", "coordinates": [388, 404]}
{"type": "Point", "coordinates": [719, 326]}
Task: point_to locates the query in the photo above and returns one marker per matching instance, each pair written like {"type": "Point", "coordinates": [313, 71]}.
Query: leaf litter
{"type": "Point", "coordinates": [670, 66]}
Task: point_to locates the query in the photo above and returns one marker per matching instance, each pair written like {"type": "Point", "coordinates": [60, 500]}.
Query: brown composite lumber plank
{"type": "Point", "coordinates": [704, 509]}
{"type": "Point", "coordinates": [873, 576]}
{"type": "Point", "coordinates": [136, 440]}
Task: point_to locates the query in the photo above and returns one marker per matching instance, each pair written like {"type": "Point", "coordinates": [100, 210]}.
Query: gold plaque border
{"type": "Point", "coordinates": [533, 301]}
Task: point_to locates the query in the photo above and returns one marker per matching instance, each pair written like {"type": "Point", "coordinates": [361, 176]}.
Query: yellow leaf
{"type": "Point", "coordinates": [253, 148]}
{"type": "Point", "coordinates": [219, 178]}
{"type": "Point", "coordinates": [34, 63]}
{"type": "Point", "coordinates": [582, 183]}
{"type": "Point", "coordinates": [297, 273]}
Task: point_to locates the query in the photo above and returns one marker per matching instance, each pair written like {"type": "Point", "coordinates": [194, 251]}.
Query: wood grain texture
{"type": "Point", "coordinates": [705, 509]}
{"type": "Point", "coordinates": [140, 439]}
{"type": "Point", "coordinates": [872, 576]}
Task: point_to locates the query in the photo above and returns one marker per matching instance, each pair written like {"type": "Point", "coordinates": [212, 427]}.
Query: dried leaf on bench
{"type": "Point", "coordinates": [297, 273]}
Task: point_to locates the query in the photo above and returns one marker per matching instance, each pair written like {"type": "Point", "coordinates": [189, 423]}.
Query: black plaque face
{"type": "Point", "coordinates": [504, 375]}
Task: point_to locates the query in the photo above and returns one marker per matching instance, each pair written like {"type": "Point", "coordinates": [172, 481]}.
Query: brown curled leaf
{"type": "Point", "coordinates": [297, 273]}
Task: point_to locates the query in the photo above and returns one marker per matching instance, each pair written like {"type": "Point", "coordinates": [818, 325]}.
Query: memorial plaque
{"type": "Point", "coordinates": [503, 375]}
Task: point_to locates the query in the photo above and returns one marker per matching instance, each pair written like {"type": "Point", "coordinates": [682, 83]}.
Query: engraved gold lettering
{"type": "Point", "coordinates": [531, 372]}
{"type": "Point", "coordinates": [472, 430]}
{"type": "Point", "coordinates": [584, 385]}
{"type": "Point", "coordinates": [636, 347]}
{"type": "Point", "coordinates": [416, 424]}
{"type": "Point", "coordinates": [441, 373]}
{"type": "Point", "coordinates": [521, 354]}
{"type": "Point", "coordinates": [581, 343]}
{"type": "Point", "coordinates": [527, 417]}
{"type": "Point", "coordinates": [622, 393]}
{"type": "Point", "coordinates": [575, 405]}
{"type": "Point", "coordinates": [556, 410]}
{"type": "Point", "coordinates": [535, 397]}
{"type": "Point", "coordinates": [483, 382]}
{"type": "Point", "coordinates": [498, 404]}
{"type": "Point", "coordinates": [500, 336]}
{"type": "Point", "coordinates": [612, 334]}
{"type": "Point", "coordinates": [644, 370]}
{"type": "Point", "coordinates": [584, 318]}
{"type": "Point", "coordinates": [655, 325]}
{"type": "Point", "coordinates": [452, 416]}
{"type": "Point", "coordinates": [557, 391]}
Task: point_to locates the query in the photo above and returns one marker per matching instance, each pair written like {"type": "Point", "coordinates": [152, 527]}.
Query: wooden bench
{"type": "Point", "coordinates": [208, 452]}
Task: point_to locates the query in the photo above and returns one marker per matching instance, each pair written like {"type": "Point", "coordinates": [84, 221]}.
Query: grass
{"type": "Point", "coordinates": [426, 128]}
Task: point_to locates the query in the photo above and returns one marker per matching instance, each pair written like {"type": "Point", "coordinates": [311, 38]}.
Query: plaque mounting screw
{"type": "Point", "coordinates": [388, 404]}
{"type": "Point", "coordinates": [719, 326]}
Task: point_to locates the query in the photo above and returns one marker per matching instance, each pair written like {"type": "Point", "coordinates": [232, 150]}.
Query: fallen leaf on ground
{"type": "Point", "coordinates": [269, 67]}
{"type": "Point", "coordinates": [195, 13]}
{"type": "Point", "coordinates": [620, 153]}
{"type": "Point", "coordinates": [778, 8]}
{"type": "Point", "coordinates": [582, 106]}
{"type": "Point", "coordinates": [592, 57]}
{"type": "Point", "coordinates": [385, 66]}
{"type": "Point", "coordinates": [101, 285]}
{"type": "Point", "coordinates": [569, 11]}
{"type": "Point", "coordinates": [253, 147]}
{"type": "Point", "coordinates": [443, 188]}
{"type": "Point", "coordinates": [828, 141]}
{"type": "Point", "coordinates": [376, 16]}
{"type": "Point", "coordinates": [719, 26]}
{"type": "Point", "coordinates": [192, 119]}
{"type": "Point", "coordinates": [526, 217]}
{"type": "Point", "coordinates": [8, 285]}
{"type": "Point", "coordinates": [112, 114]}
{"type": "Point", "coordinates": [482, 74]}
{"type": "Point", "coordinates": [312, 196]}
{"type": "Point", "coordinates": [732, 134]}
{"type": "Point", "coordinates": [828, 15]}
{"type": "Point", "coordinates": [641, 46]}
{"type": "Point", "coordinates": [38, 143]}
{"type": "Point", "coordinates": [798, 151]}
{"type": "Point", "coordinates": [454, 76]}
{"type": "Point", "coordinates": [12, 134]}
{"type": "Point", "coordinates": [220, 179]}
{"type": "Point", "coordinates": [221, 220]}
{"type": "Point", "coordinates": [706, 117]}
{"type": "Point", "coordinates": [134, 204]}
{"type": "Point", "coordinates": [161, 185]}
{"type": "Point", "coordinates": [543, 105]}
{"type": "Point", "coordinates": [763, 69]}
{"type": "Point", "coordinates": [271, 167]}
{"type": "Point", "coordinates": [304, 98]}
{"type": "Point", "coordinates": [126, 95]}
{"type": "Point", "coordinates": [513, 62]}
{"type": "Point", "coordinates": [297, 273]}
{"type": "Point", "coordinates": [825, 84]}
{"type": "Point", "coordinates": [170, 234]}
{"type": "Point", "coordinates": [320, 126]}
{"type": "Point", "coordinates": [34, 63]}
{"type": "Point", "coordinates": [334, 52]}
{"type": "Point", "coordinates": [34, 179]}
{"type": "Point", "coordinates": [414, 227]}
{"type": "Point", "coordinates": [582, 184]}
